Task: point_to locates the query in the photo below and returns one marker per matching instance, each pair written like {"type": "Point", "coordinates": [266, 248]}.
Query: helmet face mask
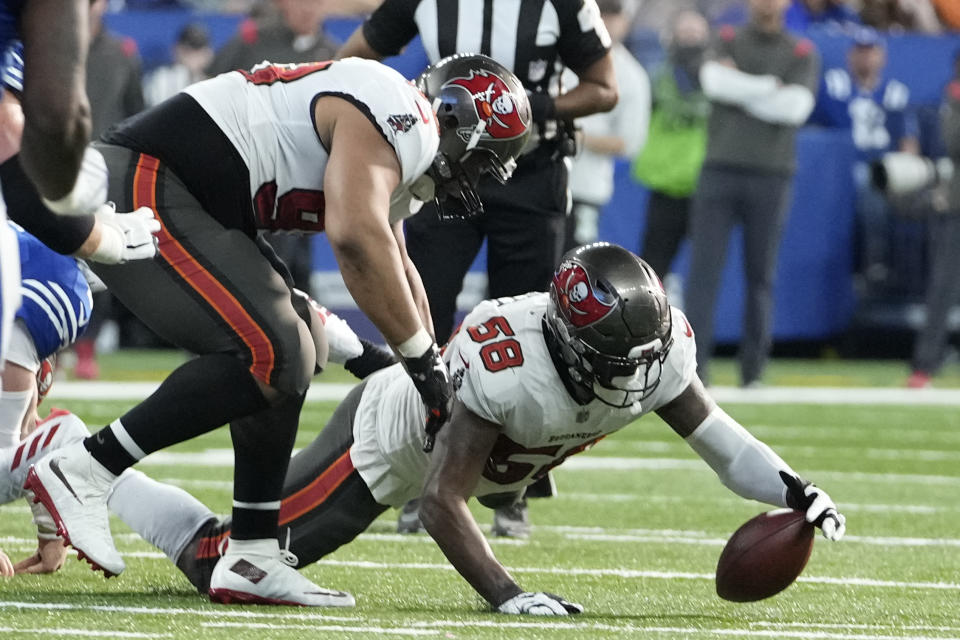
{"type": "Point", "coordinates": [484, 119]}
{"type": "Point", "coordinates": [610, 322]}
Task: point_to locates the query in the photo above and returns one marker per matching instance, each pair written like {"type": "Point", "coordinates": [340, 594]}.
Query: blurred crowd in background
{"type": "Point", "coordinates": [905, 243]}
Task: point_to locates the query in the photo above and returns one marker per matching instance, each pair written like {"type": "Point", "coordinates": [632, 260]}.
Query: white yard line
{"type": "Point", "coordinates": [588, 462]}
{"type": "Point", "coordinates": [583, 496]}
{"type": "Point", "coordinates": [416, 628]}
{"type": "Point", "coordinates": [323, 628]}
{"type": "Point", "coordinates": [860, 627]}
{"type": "Point", "coordinates": [731, 395]}
{"type": "Point", "coordinates": [634, 573]}
{"type": "Point", "coordinates": [771, 628]}
{"type": "Point", "coordinates": [220, 612]}
{"type": "Point", "coordinates": [54, 632]}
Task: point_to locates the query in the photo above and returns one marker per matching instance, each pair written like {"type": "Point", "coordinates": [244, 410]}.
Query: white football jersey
{"type": "Point", "coordinates": [503, 372]}
{"type": "Point", "coordinates": [58, 429]}
{"type": "Point", "coordinates": [267, 114]}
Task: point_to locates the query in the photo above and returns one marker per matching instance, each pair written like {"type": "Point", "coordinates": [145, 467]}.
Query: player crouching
{"type": "Point", "coordinates": [538, 378]}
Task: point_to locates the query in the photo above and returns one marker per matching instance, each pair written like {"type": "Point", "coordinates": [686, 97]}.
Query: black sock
{"type": "Point", "coordinates": [108, 451]}
{"type": "Point", "coordinates": [262, 444]}
{"type": "Point", "coordinates": [197, 397]}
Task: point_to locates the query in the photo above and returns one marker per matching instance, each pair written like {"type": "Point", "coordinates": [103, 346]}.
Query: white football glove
{"type": "Point", "coordinates": [125, 236]}
{"type": "Point", "coordinates": [90, 191]}
{"type": "Point", "coordinates": [539, 604]}
{"type": "Point", "coordinates": [817, 505]}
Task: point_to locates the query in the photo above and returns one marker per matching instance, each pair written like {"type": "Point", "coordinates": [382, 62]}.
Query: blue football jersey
{"type": "Point", "coordinates": [55, 298]}
{"type": "Point", "coordinates": [9, 279]}
{"type": "Point", "coordinates": [878, 119]}
{"type": "Point", "coordinates": [10, 21]}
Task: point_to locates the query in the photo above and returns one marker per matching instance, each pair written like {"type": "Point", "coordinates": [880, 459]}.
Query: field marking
{"type": "Point", "coordinates": [734, 499]}
{"type": "Point", "coordinates": [427, 628]}
{"type": "Point", "coordinates": [59, 631]}
{"type": "Point", "coordinates": [870, 540]}
{"type": "Point", "coordinates": [776, 629]}
{"type": "Point", "coordinates": [779, 633]}
{"type": "Point", "coordinates": [219, 612]}
{"type": "Point", "coordinates": [861, 627]}
{"type": "Point", "coordinates": [218, 457]}
{"type": "Point", "coordinates": [639, 573]}
{"type": "Point", "coordinates": [397, 631]}
{"type": "Point", "coordinates": [327, 391]}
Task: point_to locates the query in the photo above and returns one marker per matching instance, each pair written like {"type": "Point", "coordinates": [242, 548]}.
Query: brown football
{"type": "Point", "coordinates": [764, 556]}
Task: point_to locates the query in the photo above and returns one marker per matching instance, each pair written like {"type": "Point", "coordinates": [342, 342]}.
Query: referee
{"type": "Point", "coordinates": [524, 221]}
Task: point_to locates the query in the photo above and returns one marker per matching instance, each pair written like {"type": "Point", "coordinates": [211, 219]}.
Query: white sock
{"type": "Point", "coordinates": [165, 516]}
{"type": "Point", "coordinates": [13, 407]}
{"type": "Point", "coordinates": [263, 547]}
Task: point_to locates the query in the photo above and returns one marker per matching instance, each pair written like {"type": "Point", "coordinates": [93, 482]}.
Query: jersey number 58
{"type": "Point", "coordinates": [501, 354]}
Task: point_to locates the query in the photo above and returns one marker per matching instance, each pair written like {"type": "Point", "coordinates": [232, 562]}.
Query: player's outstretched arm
{"type": "Point", "coordinates": [745, 465]}
{"type": "Point", "coordinates": [57, 127]}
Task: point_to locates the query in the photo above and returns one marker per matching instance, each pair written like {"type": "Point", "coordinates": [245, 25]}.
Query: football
{"type": "Point", "coordinates": [764, 556]}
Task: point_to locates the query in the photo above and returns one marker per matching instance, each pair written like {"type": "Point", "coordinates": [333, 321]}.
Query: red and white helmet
{"type": "Point", "coordinates": [484, 118]}
{"type": "Point", "coordinates": [609, 323]}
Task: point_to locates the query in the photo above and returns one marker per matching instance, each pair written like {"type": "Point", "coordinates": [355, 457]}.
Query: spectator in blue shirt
{"type": "Point", "coordinates": [875, 109]}
{"type": "Point", "coordinates": [804, 14]}
{"type": "Point", "coordinates": [801, 15]}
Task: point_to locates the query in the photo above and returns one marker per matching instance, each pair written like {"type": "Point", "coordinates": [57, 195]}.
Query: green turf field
{"type": "Point", "coordinates": [146, 365]}
{"type": "Point", "coordinates": [634, 536]}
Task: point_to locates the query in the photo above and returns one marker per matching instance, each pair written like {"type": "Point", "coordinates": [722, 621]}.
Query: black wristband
{"type": "Point", "coordinates": [542, 108]}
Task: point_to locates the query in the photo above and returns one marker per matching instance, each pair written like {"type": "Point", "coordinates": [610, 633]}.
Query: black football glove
{"type": "Point", "coordinates": [432, 380]}
{"type": "Point", "coordinates": [816, 504]}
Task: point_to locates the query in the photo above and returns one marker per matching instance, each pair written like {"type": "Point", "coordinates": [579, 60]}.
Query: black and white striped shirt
{"type": "Point", "coordinates": [535, 39]}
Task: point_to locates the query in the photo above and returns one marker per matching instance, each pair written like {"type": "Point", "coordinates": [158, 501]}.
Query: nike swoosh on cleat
{"type": "Point", "coordinates": [55, 467]}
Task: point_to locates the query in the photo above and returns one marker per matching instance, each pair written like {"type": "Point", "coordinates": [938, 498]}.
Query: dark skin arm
{"type": "Point", "coordinates": [596, 93]}
{"type": "Point", "coordinates": [357, 46]}
{"type": "Point", "coordinates": [361, 175]}
{"type": "Point", "coordinates": [685, 412]}
{"type": "Point", "coordinates": [462, 449]}
{"type": "Point", "coordinates": [56, 110]}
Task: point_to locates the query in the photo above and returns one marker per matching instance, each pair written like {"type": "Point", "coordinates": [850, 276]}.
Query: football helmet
{"type": "Point", "coordinates": [609, 323]}
{"type": "Point", "coordinates": [484, 119]}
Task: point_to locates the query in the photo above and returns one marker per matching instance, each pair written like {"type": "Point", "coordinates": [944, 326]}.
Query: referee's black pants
{"type": "Point", "coordinates": [524, 222]}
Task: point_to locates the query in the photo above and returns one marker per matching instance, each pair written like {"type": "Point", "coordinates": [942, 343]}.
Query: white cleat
{"type": "Point", "coordinates": [73, 487]}
{"type": "Point", "coordinates": [252, 572]}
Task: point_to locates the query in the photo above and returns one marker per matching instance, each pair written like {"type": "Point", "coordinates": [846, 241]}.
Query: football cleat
{"type": "Point", "coordinates": [73, 487]}
{"type": "Point", "coordinates": [409, 519]}
{"type": "Point", "coordinates": [511, 521]}
{"type": "Point", "coordinates": [256, 572]}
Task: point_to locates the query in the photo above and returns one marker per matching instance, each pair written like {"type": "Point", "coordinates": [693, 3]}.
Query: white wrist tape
{"type": "Point", "coordinates": [90, 190]}
{"type": "Point", "coordinates": [13, 408]}
{"type": "Point", "coordinates": [46, 527]}
{"type": "Point", "coordinates": [416, 345]}
{"type": "Point", "coordinates": [744, 465]}
{"type": "Point", "coordinates": [112, 245]}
